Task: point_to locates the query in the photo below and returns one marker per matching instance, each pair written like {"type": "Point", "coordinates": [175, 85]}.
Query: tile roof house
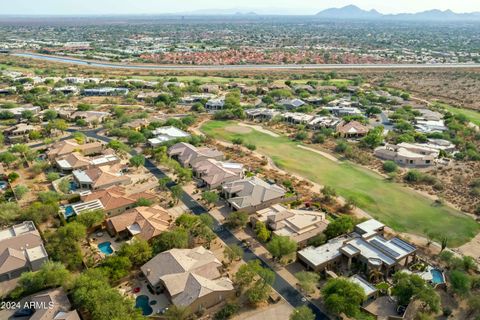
{"type": "Point", "coordinates": [99, 178]}
{"type": "Point", "coordinates": [21, 250]}
{"type": "Point", "coordinates": [65, 147]}
{"type": "Point", "coordinates": [188, 155]}
{"type": "Point", "coordinates": [116, 200]}
{"type": "Point", "coordinates": [142, 222]}
{"type": "Point", "coordinates": [76, 161]}
{"type": "Point", "coordinates": [190, 277]}
{"type": "Point", "coordinates": [352, 129]}
{"type": "Point", "coordinates": [48, 305]}
{"type": "Point", "coordinates": [215, 173]}
{"type": "Point", "coordinates": [252, 194]}
{"type": "Point", "coordinates": [299, 225]}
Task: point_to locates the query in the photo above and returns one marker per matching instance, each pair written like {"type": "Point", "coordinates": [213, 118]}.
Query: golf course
{"type": "Point", "coordinates": [395, 205]}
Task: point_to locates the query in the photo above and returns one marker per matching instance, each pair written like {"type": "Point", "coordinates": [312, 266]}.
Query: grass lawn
{"type": "Point", "coordinates": [398, 207]}
{"type": "Point", "coordinates": [472, 115]}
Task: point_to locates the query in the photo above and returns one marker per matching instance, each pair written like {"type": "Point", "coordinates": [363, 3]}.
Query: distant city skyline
{"type": "Point", "coordinates": [105, 7]}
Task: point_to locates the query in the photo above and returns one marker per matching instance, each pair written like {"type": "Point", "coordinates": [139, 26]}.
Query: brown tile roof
{"type": "Point", "coordinates": [353, 127]}
{"type": "Point", "coordinates": [149, 222]}
{"type": "Point", "coordinates": [116, 197]}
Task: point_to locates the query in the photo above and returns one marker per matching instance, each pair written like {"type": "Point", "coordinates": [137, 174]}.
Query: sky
{"type": "Point", "coordinates": [85, 7]}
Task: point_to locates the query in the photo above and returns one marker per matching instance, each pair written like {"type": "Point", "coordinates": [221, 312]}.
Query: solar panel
{"type": "Point", "coordinates": [402, 244]}
{"type": "Point", "coordinates": [384, 248]}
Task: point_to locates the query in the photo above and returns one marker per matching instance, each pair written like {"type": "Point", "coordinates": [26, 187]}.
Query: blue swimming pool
{"type": "Point", "coordinates": [437, 276]}
{"type": "Point", "coordinates": [142, 302]}
{"type": "Point", "coordinates": [69, 211]}
{"type": "Point", "coordinates": [72, 186]}
{"type": "Point", "coordinates": [105, 247]}
{"type": "Point", "coordinates": [3, 185]}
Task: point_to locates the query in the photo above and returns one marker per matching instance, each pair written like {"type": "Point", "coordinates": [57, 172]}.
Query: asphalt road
{"type": "Point", "coordinates": [288, 292]}
{"type": "Point", "coordinates": [99, 64]}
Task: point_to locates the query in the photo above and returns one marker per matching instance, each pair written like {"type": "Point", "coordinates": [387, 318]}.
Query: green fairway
{"type": "Point", "coordinates": [472, 115]}
{"type": "Point", "coordinates": [398, 207]}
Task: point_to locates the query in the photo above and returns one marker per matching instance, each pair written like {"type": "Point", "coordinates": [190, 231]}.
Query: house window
{"type": "Point", "coordinates": [427, 161]}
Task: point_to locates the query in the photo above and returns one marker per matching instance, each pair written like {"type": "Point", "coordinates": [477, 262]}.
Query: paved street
{"type": "Point", "coordinates": [287, 291]}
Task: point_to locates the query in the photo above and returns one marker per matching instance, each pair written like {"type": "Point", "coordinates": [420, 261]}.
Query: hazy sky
{"type": "Point", "coordinates": [76, 7]}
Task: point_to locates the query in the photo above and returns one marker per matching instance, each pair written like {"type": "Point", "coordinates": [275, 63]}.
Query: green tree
{"type": "Point", "coordinates": [318, 240]}
{"type": "Point", "coordinates": [460, 282]}
{"type": "Point", "coordinates": [410, 286]}
{"type": "Point", "coordinates": [390, 166]}
{"type": "Point", "coordinates": [40, 212]}
{"type": "Point", "coordinates": [329, 193]}
{"type": "Point", "coordinates": [256, 279]}
{"type": "Point", "coordinates": [236, 220]}
{"type": "Point", "coordinates": [135, 138]}
{"type": "Point", "coordinates": [63, 245]}
{"type": "Point", "coordinates": [116, 267]}
{"type": "Point", "coordinates": [233, 252]}
{"type": "Point", "coordinates": [137, 251]}
{"type": "Point", "coordinates": [374, 138]}
{"type": "Point", "coordinates": [9, 212]}
{"type": "Point", "coordinates": [52, 176]}
{"type": "Point", "coordinates": [210, 197]}
{"type": "Point", "coordinates": [20, 191]}
{"type": "Point", "coordinates": [8, 158]}
{"type": "Point", "coordinates": [177, 238]}
{"type": "Point", "coordinates": [281, 246]}
{"type": "Point", "coordinates": [51, 274]}
{"type": "Point", "coordinates": [307, 281]}
{"type": "Point", "coordinates": [162, 183]}
{"type": "Point", "coordinates": [91, 218]}
{"type": "Point", "coordinates": [137, 160]}
{"type": "Point", "coordinates": [302, 313]}
{"type": "Point", "coordinates": [263, 234]}
{"type": "Point", "coordinates": [340, 295]}
{"type": "Point", "coordinates": [118, 146]}
{"type": "Point", "coordinates": [177, 192]}
{"type": "Point", "coordinates": [342, 225]}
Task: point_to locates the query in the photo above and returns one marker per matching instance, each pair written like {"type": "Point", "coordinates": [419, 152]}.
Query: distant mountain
{"type": "Point", "coordinates": [349, 12]}
{"type": "Point", "coordinates": [354, 12]}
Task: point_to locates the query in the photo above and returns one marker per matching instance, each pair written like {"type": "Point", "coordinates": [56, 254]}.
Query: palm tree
{"type": "Point", "coordinates": [375, 275]}
{"type": "Point", "coordinates": [177, 313]}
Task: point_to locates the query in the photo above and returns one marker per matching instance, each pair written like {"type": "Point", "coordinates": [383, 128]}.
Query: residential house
{"type": "Point", "coordinates": [65, 147]}
{"type": "Point", "coordinates": [343, 107]}
{"type": "Point", "coordinates": [409, 155]}
{"type": "Point", "coordinates": [215, 173]}
{"type": "Point", "coordinates": [304, 87]}
{"type": "Point", "coordinates": [189, 277]}
{"type": "Point", "coordinates": [299, 225]}
{"type": "Point", "coordinates": [352, 129]}
{"type": "Point", "coordinates": [429, 126]}
{"type": "Point", "coordinates": [100, 178]}
{"type": "Point", "coordinates": [173, 84]}
{"type": "Point", "coordinates": [137, 124]}
{"type": "Point", "coordinates": [19, 133]}
{"type": "Point", "coordinates": [90, 117]}
{"type": "Point", "coordinates": [210, 88]}
{"type": "Point", "coordinates": [107, 91]}
{"type": "Point", "coordinates": [18, 112]}
{"type": "Point", "coordinates": [188, 155]}
{"type": "Point", "coordinates": [77, 161]}
{"type": "Point", "coordinates": [66, 90]}
{"type": "Point", "coordinates": [366, 246]}
{"type": "Point", "coordinates": [8, 90]}
{"type": "Point", "coordinates": [148, 95]}
{"type": "Point", "coordinates": [429, 115]}
{"type": "Point", "coordinates": [252, 194]}
{"type": "Point", "coordinates": [52, 304]}
{"type": "Point", "coordinates": [291, 104]}
{"type": "Point", "coordinates": [165, 134]}
{"type": "Point", "coordinates": [261, 114]}
{"type": "Point", "coordinates": [21, 250]}
{"type": "Point", "coordinates": [116, 200]}
{"type": "Point", "coordinates": [142, 222]}
{"type": "Point", "coordinates": [215, 104]}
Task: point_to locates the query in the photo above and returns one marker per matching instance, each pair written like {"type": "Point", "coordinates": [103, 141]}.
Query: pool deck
{"type": "Point", "coordinates": [95, 241]}
{"type": "Point", "coordinates": [128, 287]}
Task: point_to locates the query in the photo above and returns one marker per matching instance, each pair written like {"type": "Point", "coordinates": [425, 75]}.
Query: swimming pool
{"type": "Point", "coordinates": [69, 211]}
{"type": "Point", "coordinates": [142, 302]}
{"type": "Point", "coordinates": [72, 186]}
{"type": "Point", "coordinates": [437, 276]}
{"type": "Point", "coordinates": [105, 247]}
{"type": "Point", "coordinates": [3, 185]}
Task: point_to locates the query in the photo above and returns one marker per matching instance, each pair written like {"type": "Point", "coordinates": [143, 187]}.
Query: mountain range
{"type": "Point", "coordinates": [354, 12]}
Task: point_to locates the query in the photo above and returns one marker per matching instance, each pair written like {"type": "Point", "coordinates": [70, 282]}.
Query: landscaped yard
{"type": "Point", "coordinates": [398, 207]}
